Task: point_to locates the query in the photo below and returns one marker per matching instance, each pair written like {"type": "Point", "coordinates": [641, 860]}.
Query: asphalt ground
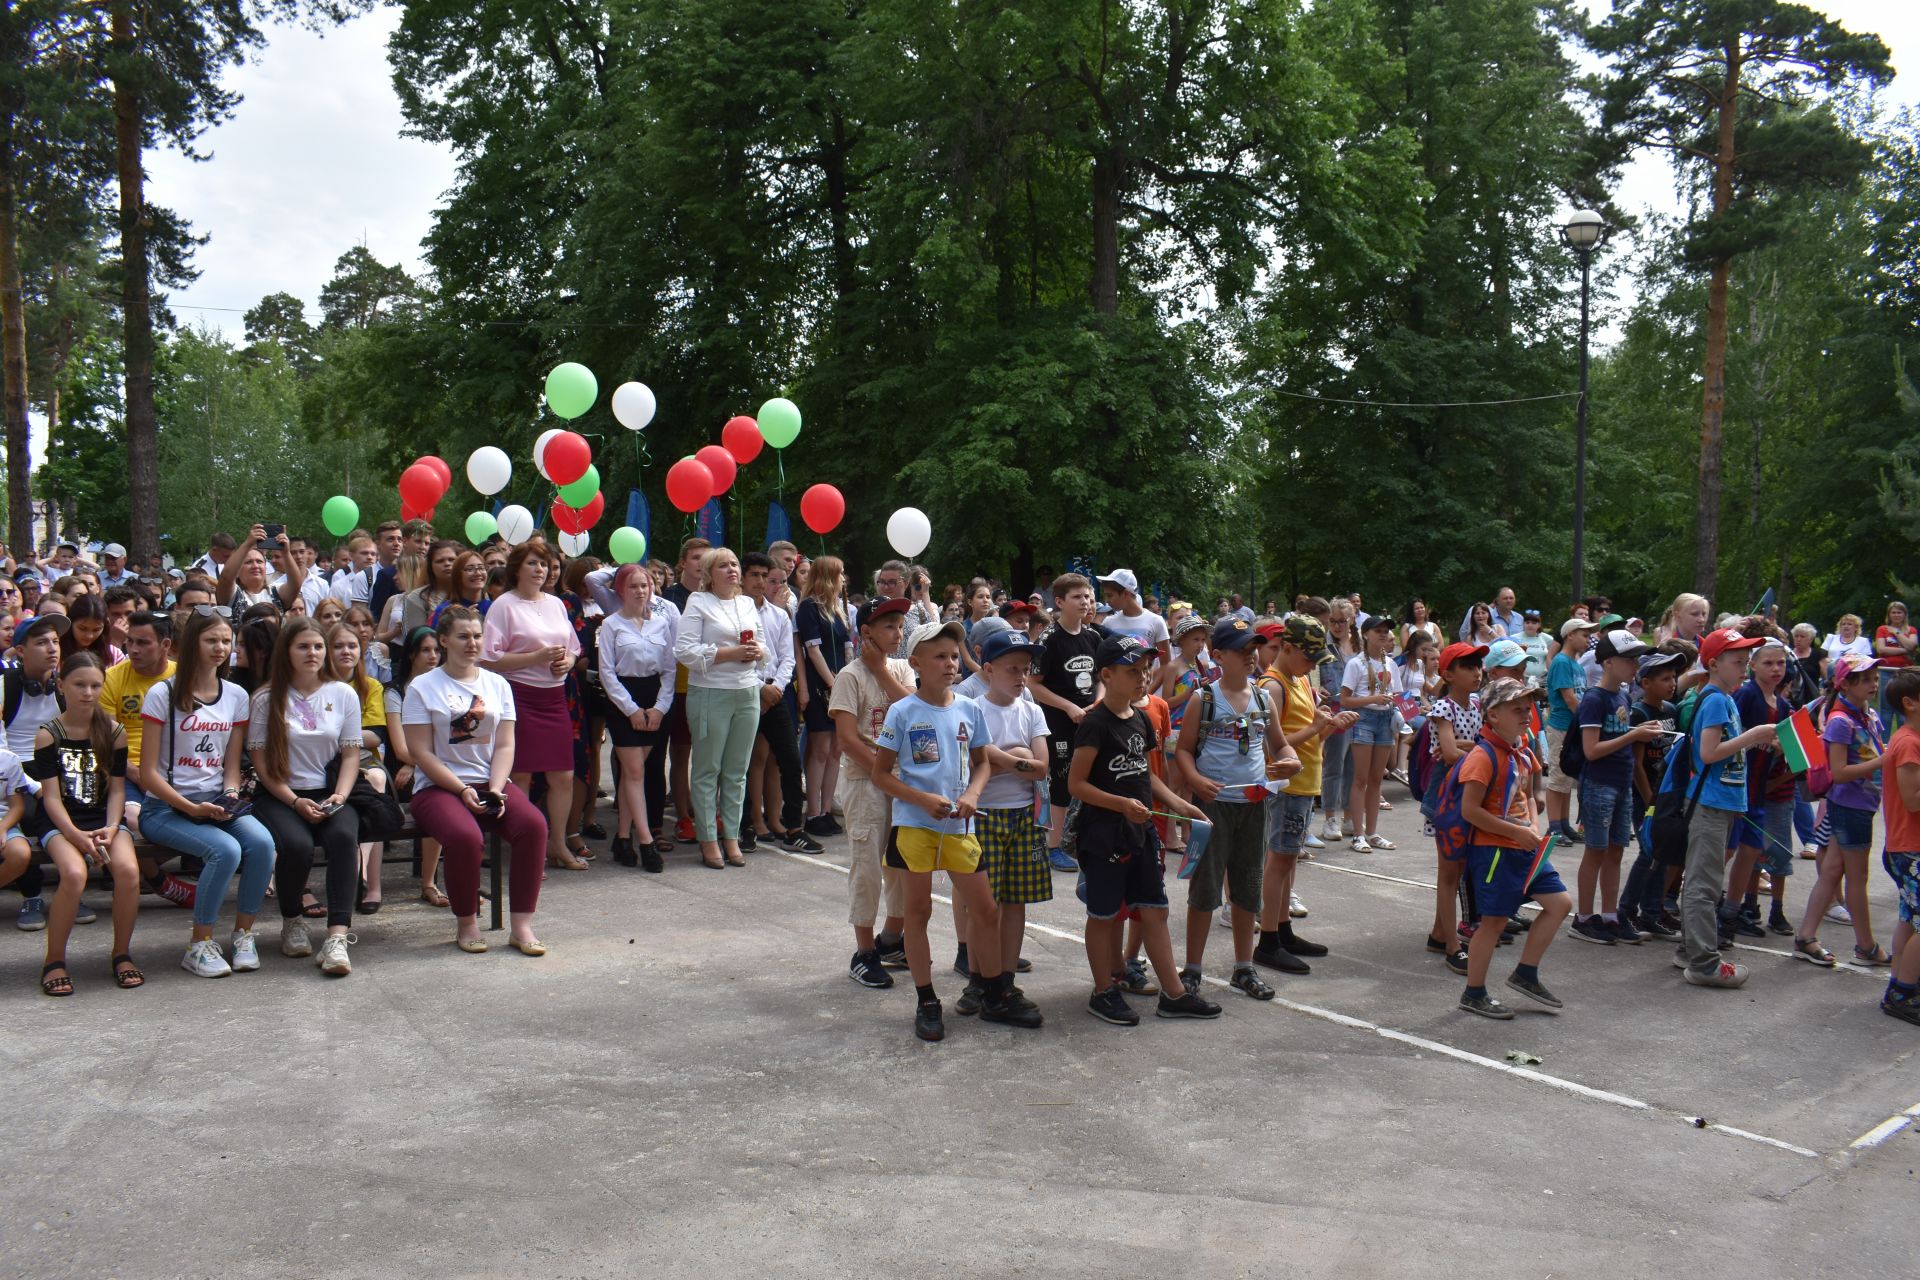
{"type": "Point", "coordinates": [689, 1085]}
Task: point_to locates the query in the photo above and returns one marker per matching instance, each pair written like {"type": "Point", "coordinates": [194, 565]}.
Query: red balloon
{"type": "Point", "coordinates": [440, 468]}
{"type": "Point", "coordinates": [822, 508]}
{"type": "Point", "coordinates": [720, 464]}
{"type": "Point", "coordinates": [408, 513]}
{"type": "Point", "coordinates": [567, 458]}
{"type": "Point", "coordinates": [591, 513]}
{"type": "Point", "coordinates": [689, 485]}
{"type": "Point", "coordinates": [565, 518]}
{"type": "Point", "coordinates": [742, 439]}
{"type": "Point", "coordinates": [420, 487]}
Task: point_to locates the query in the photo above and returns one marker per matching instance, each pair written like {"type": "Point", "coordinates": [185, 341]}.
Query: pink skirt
{"type": "Point", "coordinates": [542, 729]}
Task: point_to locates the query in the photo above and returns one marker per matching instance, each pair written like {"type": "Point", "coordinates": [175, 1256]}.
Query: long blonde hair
{"type": "Point", "coordinates": [1685, 600]}
{"type": "Point", "coordinates": [824, 580]}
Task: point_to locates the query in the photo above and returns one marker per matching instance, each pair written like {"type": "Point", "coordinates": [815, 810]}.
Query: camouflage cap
{"type": "Point", "coordinates": [1307, 635]}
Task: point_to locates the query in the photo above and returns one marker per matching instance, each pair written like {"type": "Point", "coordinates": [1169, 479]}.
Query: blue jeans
{"type": "Point", "coordinates": [1336, 773]}
{"type": "Point", "coordinates": [239, 843]}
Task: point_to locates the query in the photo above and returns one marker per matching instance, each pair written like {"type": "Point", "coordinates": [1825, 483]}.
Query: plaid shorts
{"type": "Point", "coordinates": [1013, 853]}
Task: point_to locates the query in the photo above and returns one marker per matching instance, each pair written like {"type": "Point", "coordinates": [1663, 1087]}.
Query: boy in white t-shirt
{"type": "Point", "coordinates": [1129, 618]}
{"type": "Point", "coordinates": [17, 851]}
{"type": "Point", "coordinates": [1013, 847]}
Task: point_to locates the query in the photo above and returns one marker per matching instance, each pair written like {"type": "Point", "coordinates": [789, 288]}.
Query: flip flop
{"type": "Point", "coordinates": [312, 909]}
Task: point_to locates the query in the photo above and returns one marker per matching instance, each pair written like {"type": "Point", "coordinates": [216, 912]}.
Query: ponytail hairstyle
{"type": "Point", "coordinates": [279, 685]}
{"type": "Point", "coordinates": [102, 729]}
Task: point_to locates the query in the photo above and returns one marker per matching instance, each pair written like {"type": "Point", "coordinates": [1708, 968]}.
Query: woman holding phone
{"type": "Point", "coordinates": [715, 642]}
{"type": "Point", "coordinates": [304, 732]}
{"type": "Point", "coordinates": [460, 722]}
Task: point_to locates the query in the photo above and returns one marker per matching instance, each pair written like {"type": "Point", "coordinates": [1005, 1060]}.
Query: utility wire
{"type": "Point", "coordinates": [1417, 404]}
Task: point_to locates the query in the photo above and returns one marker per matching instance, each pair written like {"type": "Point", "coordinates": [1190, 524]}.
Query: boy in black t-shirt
{"type": "Point", "coordinates": [1119, 855]}
{"type": "Point", "coordinates": [1606, 787]}
{"type": "Point", "coordinates": [1643, 901]}
{"type": "Point", "coordinates": [1065, 684]}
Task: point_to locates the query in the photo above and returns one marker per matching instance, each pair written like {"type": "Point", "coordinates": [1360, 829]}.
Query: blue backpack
{"type": "Point", "coordinates": [1452, 833]}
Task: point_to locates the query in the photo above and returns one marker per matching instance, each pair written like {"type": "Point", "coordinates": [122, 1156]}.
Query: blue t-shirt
{"type": "Point", "coordinates": [1606, 710]}
{"type": "Point", "coordinates": [1725, 784]}
{"type": "Point", "coordinates": [932, 745]}
{"type": "Point", "coordinates": [1564, 673]}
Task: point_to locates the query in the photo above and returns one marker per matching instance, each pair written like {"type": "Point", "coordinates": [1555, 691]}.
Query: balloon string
{"type": "Point", "coordinates": [779, 461]}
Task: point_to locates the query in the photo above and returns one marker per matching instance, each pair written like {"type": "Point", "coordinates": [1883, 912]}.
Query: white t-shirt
{"type": "Point", "coordinates": [35, 710]}
{"type": "Point", "coordinates": [976, 688]}
{"type": "Point", "coordinates": [13, 778]}
{"type": "Point", "coordinates": [1015, 725]}
{"type": "Point", "coordinates": [1150, 629]}
{"type": "Point", "coordinates": [317, 729]}
{"type": "Point", "coordinates": [1364, 677]}
{"type": "Point", "coordinates": [465, 714]}
{"type": "Point", "coordinates": [199, 737]}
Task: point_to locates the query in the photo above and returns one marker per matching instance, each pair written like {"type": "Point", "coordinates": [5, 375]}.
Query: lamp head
{"type": "Point", "coordinates": [1583, 230]}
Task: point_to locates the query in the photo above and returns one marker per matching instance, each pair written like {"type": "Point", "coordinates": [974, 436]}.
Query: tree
{"type": "Point", "coordinates": [279, 321]}
{"type": "Point", "coordinates": [1731, 89]}
{"type": "Point", "coordinates": [363, 291]}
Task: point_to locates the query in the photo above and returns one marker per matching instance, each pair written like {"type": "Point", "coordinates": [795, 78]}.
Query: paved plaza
{"type": "Point", "coordinates": [689, 1085]}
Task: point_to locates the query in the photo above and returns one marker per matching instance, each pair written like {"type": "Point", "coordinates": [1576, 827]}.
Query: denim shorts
{"type": "Point", "coordinates": [1287, 819]}
{"type": "Point", "coordinates": [1852, 828]}
{"type": "Point", "coordinates": [46, 837]}
{"type": "Point", "coordinates": [1374, 728]}
{"type": "Point", "coordinates": [14, 833]}
{"type": "Point", "coordinates": [1606, 812]}
{"type": "Point", "coordinates": [1770, 829]}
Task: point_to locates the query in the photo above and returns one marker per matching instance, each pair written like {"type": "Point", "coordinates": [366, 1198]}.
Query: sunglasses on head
{"type": "Point", "coordinates": [206, 610]}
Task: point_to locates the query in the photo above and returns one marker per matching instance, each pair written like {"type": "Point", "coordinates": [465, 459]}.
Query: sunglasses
{"type": "Point", "coordinates": [206, 610]}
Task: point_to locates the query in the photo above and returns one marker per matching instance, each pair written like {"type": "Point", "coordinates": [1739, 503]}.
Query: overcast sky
{"type": "Point", "coordinates": [313, 162]}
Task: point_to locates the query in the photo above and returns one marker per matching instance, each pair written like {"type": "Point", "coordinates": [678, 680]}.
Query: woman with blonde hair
{"type": "Point", "coordinates": [718, 644]}
{"type": "Point", "coordinates": [1685, 619]}
{"type": "Point", "coordinates": [822, 636]}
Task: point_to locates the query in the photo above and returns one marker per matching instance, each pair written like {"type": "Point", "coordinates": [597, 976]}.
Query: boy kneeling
{"type": "Point", "coordinates": [939, 742]}
{"type": "Point", "coordinates": [1119, 856]}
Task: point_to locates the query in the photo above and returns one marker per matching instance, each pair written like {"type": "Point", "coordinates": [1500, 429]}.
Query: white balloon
{"type": "Point", "coordinates": [909, 531]}
{"type": "Point", "coordinates": [489, 469]}
{"type": "Point", "coordinates": [540, 450]}
{"type": "Point", "coordinates": [575, 544]}
{"type": "Point", "coordinates": [516, 524]}
{"type": "Point", "coordinates": [633, 405]}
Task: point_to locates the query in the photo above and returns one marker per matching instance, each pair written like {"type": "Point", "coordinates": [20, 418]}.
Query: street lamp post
{"type": "Point", "coordinates": [1582, 232]}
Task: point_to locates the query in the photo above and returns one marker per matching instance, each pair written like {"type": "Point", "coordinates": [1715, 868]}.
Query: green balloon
{"type": "Point", "coordinates": [581, 491]}
{"type": "Point", "coordinates": [480, 527]}
{"type": "Point", "coordinates": [628, 545]}
{"type": "Point", "coordinates": [571, 390]}
{"type": "Point", "coordinates": [340, 515]}
{"type": "Point", "coordinates": [779, 422]}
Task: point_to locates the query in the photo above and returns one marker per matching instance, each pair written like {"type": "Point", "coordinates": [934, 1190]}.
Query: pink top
{"type": "Point", "coordinates": [518, 625]}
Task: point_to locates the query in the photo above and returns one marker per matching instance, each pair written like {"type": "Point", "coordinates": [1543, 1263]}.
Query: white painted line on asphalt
{"type": "Point", "coordinates": [1371, 875]}
{"type": "Point", "coordinates": [1417, 1042]}
{"type": "Point", "coordinates": [1788, 955]}
{"type": "Point", "coordinates": [1886, 1129]}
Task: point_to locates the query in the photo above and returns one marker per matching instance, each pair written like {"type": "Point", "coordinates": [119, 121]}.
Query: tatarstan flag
{"type": "Point", "coordinates": [1799, 740]}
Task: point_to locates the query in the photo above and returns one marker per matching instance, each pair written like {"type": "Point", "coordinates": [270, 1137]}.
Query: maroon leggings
{"type": "Point", "coordinates": [445, 816]}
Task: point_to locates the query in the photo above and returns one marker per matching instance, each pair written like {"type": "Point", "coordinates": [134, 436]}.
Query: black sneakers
{"type": "Point", "coordinates": [748, 842]}
{"type": "Point", "coordinates": [1190, 1004]}
{"type": "Point", "coordinates": [1298, 946]}
{"type": "Point", "coordinates": [1486, 1007]}
{"type": "Point", "coordinates": [927, 1022]}
{"type": "Point", "coordinates": [1011, 1009]}
{"type": "Point", "coordinates": [865, 969]}
{"type": "Point", "coordinates": [798, 841]}
{"type": "Point", "coordinates": [1592, 929]}
{"type": "Point", "coordinates": [891, 950]}
{"type": "Point", "coordinates": [970, 1000]}
{"type": "Point", "coordinates": [1457, 961]}
{"type": "Point", "coordinates": [1110, 1005]}
{"type": "Point", "coordinates": [822, 825]}
{"type": "Point", "coordinates": [1532, 990]}
{"type": "Point", "coordinates": [960, 965]}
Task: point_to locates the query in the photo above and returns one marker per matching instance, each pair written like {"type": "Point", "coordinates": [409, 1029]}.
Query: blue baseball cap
{"type": "Point", "coordinates": [1504, 653]}
{"type": "Point", "coordinates": [58, 623]}
{"type": "Point", "coordinates": [1001, 643]}
{"type": "Point", "coordinates": [1231, 635]}
{"type": "Point", "coordinates": [1120, 651]}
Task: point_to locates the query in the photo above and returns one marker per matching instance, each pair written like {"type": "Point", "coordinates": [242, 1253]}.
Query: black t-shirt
{"type": "Point", "coordinates": [1121, 749]}
{"type": "Point", "coordinates": [70, 765]}
{"type": "Point", "coordinates": [1065, 665]}
{"type": "Point", "coordinates": [1655, 751]}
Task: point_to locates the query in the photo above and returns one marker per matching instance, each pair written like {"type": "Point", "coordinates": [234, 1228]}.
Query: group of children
{"type": "Point", "coordinates": [940, 775]}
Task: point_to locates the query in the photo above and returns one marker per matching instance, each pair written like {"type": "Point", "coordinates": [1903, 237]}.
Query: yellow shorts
{"type": "Point", "coordinates": [918, 849]}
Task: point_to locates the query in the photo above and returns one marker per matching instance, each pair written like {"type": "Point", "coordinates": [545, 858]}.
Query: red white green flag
{"type": "Point", "coordinates": [1799, 740]}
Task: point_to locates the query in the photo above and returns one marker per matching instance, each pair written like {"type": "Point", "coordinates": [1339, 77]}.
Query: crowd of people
{"type": "Point", "coordinates": [202, 732]}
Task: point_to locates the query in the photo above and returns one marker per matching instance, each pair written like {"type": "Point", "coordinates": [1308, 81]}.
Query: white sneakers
{"type": "Point", "coordinates": [246, 952]}
{"type": "Point", "coordinates": [1296, 908]}
{"type": "Point", "coordinates": [1839, 914]}
{"type": "Point", "coordinates": [1313, 841]}
{"type": "Point", "coordinates": [295, 941]}
{"type": "Point", "coordinates": [333, 955]}
{"type": "Point", "coordinates": [203, 960]}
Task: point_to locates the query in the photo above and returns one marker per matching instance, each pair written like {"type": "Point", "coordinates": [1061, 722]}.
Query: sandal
{"type": "Point", "coordinates": [1810, 950]}
{"type": "Point", "coordinates": [663, 845]}
{"type": "Point", "coordinates": [578, 848]}
{"type": "Point", "coordinates": [1876, 956]}
{"type": "Point", "coordinates": [431, 895]}
{"type": "Point", "coordinates": [566, 860]}
{"type": "Point", "coordinates": [130, 977]}
{"type": "Point", "coordinates": [310, 908]}
{"type": "Point", "coordinates": [60, 986]}
{"type": "Point", "coordinates": [1381, 842]}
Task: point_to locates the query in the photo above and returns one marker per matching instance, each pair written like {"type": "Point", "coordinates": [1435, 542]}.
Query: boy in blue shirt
{"type": "Point", "coordinates": [939, 744]}
{"type": "Point", "coordinates": [1606, 787]}
{"type": "Point", "coordinates": [1719, 792]}
{"type": "Point", "coordinates": [1566, 682]}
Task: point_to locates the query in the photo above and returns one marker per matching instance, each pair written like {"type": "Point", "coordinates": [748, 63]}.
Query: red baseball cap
{"type": "Point", "coordinates": [1718, 642]}
{"type": "Point", "coordinates": [1458, 650]}
{"type": "Point", "coordinates": [1270, 631]}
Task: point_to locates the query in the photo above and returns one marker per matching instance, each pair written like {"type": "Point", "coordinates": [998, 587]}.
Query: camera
{"type": "Point", "coordinates": [273, 541]}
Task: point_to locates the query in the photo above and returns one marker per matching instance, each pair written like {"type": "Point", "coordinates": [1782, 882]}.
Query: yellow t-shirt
{"type": "Point", "coordinates": [125, 689]}
{"type": "Point", "coordinates": [373, 703]}
{"type": "Point", "coordinates": [1295, 694]}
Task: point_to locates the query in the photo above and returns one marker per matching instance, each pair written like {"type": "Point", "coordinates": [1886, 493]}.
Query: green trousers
{"type": "Point", "coordinates": [724, 724]}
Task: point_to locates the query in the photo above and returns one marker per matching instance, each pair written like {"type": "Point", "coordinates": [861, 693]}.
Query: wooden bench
{"type": "Point", "coordinates": [410, 831]}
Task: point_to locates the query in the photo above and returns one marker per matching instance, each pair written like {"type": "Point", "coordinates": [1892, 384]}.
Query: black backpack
{"type": "Point", "coordinates": [1672, 805]}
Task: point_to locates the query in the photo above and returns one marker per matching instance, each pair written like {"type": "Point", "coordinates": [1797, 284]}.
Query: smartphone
{"type": "Point", "coordinates": [330, 808]}
{"type": "Point", "coordinates": [746, 637]}
{"type": "Point", "coordinates": [491, 802]}
{"type": "Point", "coordinates": [273, 541]}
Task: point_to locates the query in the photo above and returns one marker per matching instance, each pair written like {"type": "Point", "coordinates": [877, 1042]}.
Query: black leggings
{"type": "Point", "coordinates": [293, 842]}
{"type": "Point", "coordinates": [776, 726]}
